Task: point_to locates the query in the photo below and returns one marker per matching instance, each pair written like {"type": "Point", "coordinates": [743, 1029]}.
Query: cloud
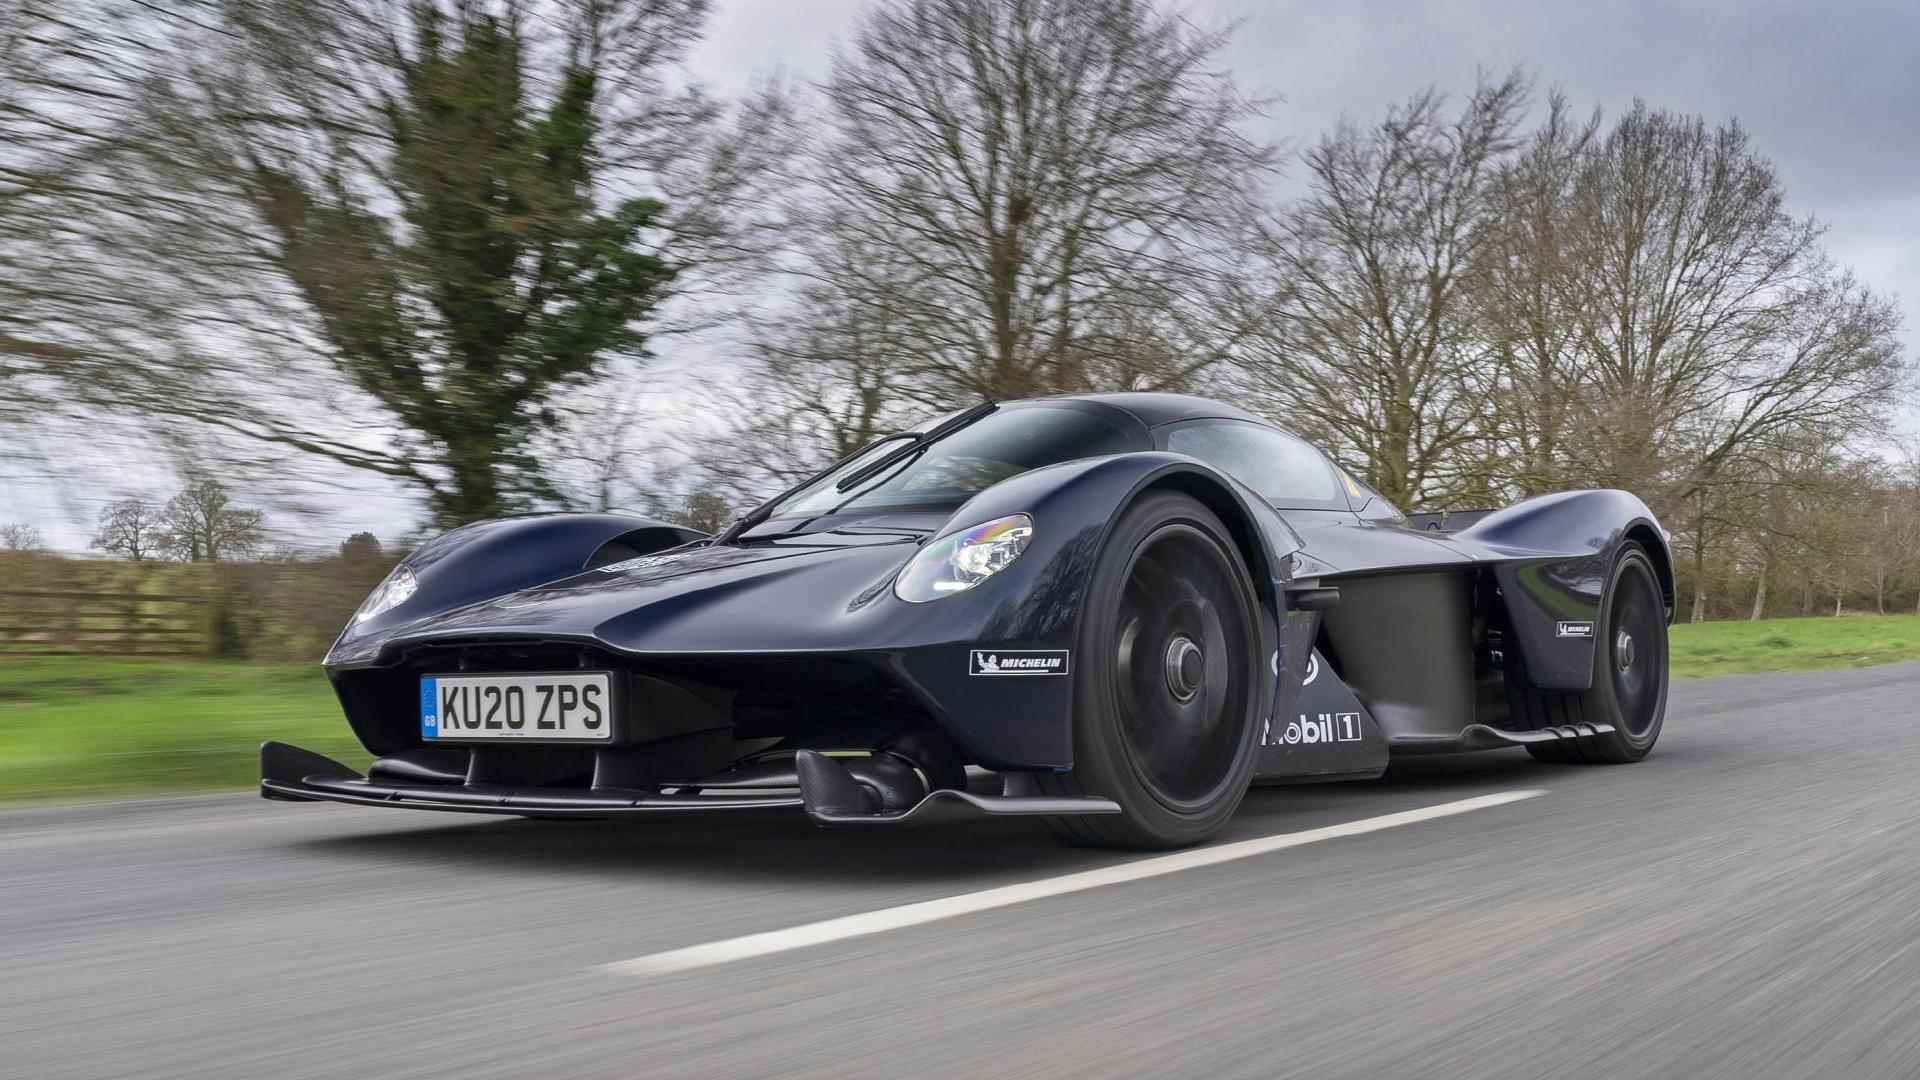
{"type": "Point", "coordinates": [1830, 92]}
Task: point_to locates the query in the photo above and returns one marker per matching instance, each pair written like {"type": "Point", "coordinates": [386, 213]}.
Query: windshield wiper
{"type": "Point", "coordinates": [765, 510]}
{"type": "Point", "coordinates": [915, 442]}
{"type": "Point", "coordinates": [938, 431]}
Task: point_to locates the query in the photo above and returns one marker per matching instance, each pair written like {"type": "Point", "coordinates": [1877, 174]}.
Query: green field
{"type": "Point", "coordinates": [1729, 648]}
{"type": "Point", "coordinates": [84, 727]}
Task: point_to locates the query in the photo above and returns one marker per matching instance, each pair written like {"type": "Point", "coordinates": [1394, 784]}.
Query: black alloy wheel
{"type": "Point", "coordinates": [1167, 680]}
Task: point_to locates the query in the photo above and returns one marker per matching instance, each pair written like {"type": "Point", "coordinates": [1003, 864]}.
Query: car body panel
{"type": "Point", "coordinates": [830, 594]}
{"type": "Point", "coordinates": [793, 633]}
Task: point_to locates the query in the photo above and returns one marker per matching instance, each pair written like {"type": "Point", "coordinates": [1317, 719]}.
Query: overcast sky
{"type": "Point", "coordinates": [1831, 92]}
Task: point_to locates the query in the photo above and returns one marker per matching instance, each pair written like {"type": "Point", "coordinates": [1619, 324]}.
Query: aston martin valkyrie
{"type": "Point", "coordinates": [1110, 612]}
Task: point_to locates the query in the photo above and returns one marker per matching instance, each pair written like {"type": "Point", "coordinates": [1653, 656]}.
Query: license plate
{"type": "Point", "coordinates": [542, 707]}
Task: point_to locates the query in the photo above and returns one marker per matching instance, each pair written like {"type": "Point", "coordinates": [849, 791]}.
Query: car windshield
{"type": "Point", "coordinates": [1286, 471]}
{"type": "Point", "coordinates": [943, 474]}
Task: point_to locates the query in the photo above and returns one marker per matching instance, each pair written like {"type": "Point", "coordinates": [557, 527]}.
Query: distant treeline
{"type": "Point", "coordinates": [284, 609]}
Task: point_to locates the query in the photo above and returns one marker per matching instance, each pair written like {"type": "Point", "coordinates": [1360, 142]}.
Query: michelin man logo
{"type": "Point", "coordinates": [1023, 662]}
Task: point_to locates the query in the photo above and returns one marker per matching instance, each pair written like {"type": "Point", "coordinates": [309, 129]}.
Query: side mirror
{"type": "Point", "coordinates": [1312, 599]}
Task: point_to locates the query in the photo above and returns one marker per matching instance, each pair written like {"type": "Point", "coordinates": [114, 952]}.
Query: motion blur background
{"type": "Point", "coordinates": [286, 285]}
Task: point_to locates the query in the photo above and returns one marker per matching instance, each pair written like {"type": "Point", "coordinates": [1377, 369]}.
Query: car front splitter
{"type": "Point", "coordinates": [830, 794]}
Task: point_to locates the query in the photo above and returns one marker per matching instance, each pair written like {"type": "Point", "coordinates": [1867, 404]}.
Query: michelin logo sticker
{"type": "Point", "coordinates": [1574, 629]}
{"type": "Point", "coordinates": [1018, 662]}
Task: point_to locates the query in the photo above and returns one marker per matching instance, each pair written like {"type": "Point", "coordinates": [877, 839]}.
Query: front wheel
{"type": "Point", "coordinates": [1629, 688]}
{"type": "Point", "coordinates": [1166, 694]}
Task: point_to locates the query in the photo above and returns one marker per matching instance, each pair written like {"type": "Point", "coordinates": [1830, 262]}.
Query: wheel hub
{"type": "Point", "coordinates": [1623, 650]}
{"type": "Point", "coordinates": [1186, 668]}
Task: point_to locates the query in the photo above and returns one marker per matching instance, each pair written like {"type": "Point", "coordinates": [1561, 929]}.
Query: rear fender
{"type": "Point", "coordinates": [1551, 557]}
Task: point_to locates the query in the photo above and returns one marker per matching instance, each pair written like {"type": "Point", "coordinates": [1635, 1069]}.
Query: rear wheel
{"type": "Point", "coordinates": [1629, 688]}
{"type": "Point", "coordinates": [1165, 698]}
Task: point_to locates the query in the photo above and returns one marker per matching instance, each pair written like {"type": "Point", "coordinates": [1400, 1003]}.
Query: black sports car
{"type": "Point", "coordinates": [1129, 607]}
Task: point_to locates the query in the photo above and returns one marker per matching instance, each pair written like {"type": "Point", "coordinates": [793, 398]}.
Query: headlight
{"type": "Point", "coordinates": [391, 594]}
{"type": "Point", "coordinates": [959, 561]}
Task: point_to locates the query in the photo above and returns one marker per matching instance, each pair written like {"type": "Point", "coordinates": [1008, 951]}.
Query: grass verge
{"type": "Point", "coordinates": [1730, 648]}
{"type": "Point", "coordinates": [93, 727]}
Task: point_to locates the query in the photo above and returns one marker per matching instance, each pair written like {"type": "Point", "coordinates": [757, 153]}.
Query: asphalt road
{"type": "Point", "coordinates": [1744, 904]}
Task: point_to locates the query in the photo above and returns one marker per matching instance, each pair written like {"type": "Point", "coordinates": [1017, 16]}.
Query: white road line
{"type": "Point", "coordinates": [895, 918]}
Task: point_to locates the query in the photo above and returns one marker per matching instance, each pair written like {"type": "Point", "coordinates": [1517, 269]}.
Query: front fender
{"type": "Point", "coordinates": [503, 555]}
{"type": "Point", "coordinates": [1027, 722]}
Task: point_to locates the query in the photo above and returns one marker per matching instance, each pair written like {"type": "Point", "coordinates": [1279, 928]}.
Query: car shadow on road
{"type": "Point", "coordinates": [782, 846]}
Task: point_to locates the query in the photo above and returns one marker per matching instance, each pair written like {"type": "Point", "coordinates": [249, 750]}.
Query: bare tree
{"type": "Point", "coordinates": [593, 455]}
{"type": "Point", "coordinates": [1778, 526]}
{"type": "Point", "coordinates": [1715, 326]}
{"type": "Point", "coordinates": [1029, 196]}
{"type": "Point", "coordinates": [1016, 198]}
{"type": "Point", "coordinates": [1711, 340]}
{"type": "Point", "coordinates": [54, 101]}
{"type": "Point", "coordinates": [1536, 372]}
{"type": "Point", "coordinates": [1368, 340]}
{"type": "Point", "coordinates": [21, 538]}
{"type": "Point", "coordinates": [1889, 540]}
{"type": "Point", "coordinates": [821, 386]}
{"type": "Point", "coordinates": [1906, 512]}
{"type": "Point", "coordinates": [130, 527]}
{"type": "Point", "coordinates": [201, 524]}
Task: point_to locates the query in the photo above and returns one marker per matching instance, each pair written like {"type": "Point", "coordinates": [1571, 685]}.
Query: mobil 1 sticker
{"type": "Point", "coordinates": [1311, 730]}
{"type": "Point", "coordinates": [1017, 662]}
